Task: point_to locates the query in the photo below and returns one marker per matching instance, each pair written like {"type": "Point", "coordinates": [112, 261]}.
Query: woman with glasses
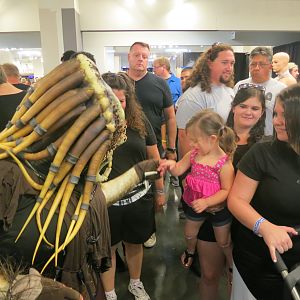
{"type": "Point", "coordinates": [247, 119]}
{"type": "Point", "coordinates": [265, 199]}
{"type": "Point", "coordinates": [132, 217]}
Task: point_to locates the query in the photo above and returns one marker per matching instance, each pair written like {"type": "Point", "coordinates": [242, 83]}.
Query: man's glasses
{"type": "Point", "coordinates": [258, 64]}
{"type": "Point", "coordinates": [252, 86]}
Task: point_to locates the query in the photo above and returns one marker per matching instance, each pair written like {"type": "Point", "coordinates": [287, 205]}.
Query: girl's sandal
{"type": "Point", "coordinates": [187, 259]}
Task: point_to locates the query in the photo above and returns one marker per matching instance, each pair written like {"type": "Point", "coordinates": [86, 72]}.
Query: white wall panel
{"type": "Point", "coordinates": [189, 15]}
{"type": "Point", "coordinates": [274, 15]}
{"type": "Point", "coordinates": [16, 15]}
{"type": "Point", "coordinates": [107, 23]}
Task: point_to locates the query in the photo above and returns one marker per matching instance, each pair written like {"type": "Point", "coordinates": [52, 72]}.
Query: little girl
{"type": "Point", "coordinates": [209, 181]}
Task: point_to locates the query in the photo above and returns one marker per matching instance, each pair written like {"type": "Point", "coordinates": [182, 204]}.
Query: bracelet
{"type": "Point", "coordinates": [164, 141]}
{"type": "Point", "coordinates": [172, 150]}
{"type": "Point", "coordinates": [257, 225]}
{"type": "Point", "coordinates": [158, 191]}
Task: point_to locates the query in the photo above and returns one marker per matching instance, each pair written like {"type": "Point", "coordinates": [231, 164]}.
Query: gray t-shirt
{"type": "Point", "coordinates": [273, 87]}
{"type": "Point", "coordinates": [194, 100]}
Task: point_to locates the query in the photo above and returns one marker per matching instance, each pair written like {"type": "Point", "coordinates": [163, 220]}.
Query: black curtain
{"type": "Point", "coordinates": [293, 49]}
{"type": "Point", "coordinates": [241, 69]}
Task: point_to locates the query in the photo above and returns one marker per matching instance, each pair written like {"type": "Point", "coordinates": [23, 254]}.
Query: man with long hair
{"type": "Point", "coordinates": [209, 87]}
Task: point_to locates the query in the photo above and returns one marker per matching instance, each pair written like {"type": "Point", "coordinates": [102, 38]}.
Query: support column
{"type": "Point", "coordinates": [60, 30]}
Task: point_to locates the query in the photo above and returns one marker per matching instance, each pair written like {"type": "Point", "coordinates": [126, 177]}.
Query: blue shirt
{"type": "Point", "coordinates": [175, 87]}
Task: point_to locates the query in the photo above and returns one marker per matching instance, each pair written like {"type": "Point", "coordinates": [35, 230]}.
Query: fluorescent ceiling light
{"type": "Point", "coordinates": [29, 53]}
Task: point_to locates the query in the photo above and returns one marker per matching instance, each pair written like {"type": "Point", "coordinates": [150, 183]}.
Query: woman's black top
{"type": "Point", "coordinates": [276, 167]}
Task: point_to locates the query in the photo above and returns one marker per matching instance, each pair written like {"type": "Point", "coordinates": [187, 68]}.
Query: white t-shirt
{"type": "Point", "coordinates": [273, 87]}
{"type": "Point", "coordinates": [194, 100]}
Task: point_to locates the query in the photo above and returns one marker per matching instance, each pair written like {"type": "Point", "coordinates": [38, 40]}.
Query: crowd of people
{"type": "Point", "coordinates": [235, 148]}
{"type": "Point", "coordinates": [250, 114]}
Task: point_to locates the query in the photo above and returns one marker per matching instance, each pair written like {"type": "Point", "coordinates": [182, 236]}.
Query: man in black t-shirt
{"type": "Point", "coordinates": [154, 95]}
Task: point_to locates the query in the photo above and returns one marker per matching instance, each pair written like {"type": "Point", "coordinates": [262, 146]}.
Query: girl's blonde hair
{"type": "Point", "coordinates": [210, 123]}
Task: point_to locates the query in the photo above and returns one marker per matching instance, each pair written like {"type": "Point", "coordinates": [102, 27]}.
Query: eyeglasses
{"type": "Point", "coordinates": [252, 86]}
{"type": "Point", "coordinates": [258, 64]}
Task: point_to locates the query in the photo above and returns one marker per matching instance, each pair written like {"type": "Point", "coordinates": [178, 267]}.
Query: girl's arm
{"type": "Point", "coordinates": [175, 168]}
{"type": "Point", "coordinates": [240, 196]}
{"type": "Point", "coordinates": [226, 178]}
{"type": "Point", "coordinates": [152, 152]}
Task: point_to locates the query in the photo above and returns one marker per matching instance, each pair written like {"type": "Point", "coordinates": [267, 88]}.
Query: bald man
{"type": "Point", "coordinates": [280, 67]}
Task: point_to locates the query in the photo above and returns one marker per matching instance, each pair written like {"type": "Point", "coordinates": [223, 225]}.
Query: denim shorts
{"type": "Point", "coordinates": [219, 218]}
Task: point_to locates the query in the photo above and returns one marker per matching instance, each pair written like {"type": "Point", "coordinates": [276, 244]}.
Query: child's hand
{"type": "Point", "coordinates": [199, 205]}
{"type": "Point", "coordinates": [165, 165]}
{"type": "Point", "coordinates": [216, 208]}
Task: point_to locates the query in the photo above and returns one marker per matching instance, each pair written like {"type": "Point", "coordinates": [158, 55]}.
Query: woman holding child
{"type": "Point", "coordinates": [247, 119]}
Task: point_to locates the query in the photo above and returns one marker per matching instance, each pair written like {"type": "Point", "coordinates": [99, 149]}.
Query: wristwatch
{"type": "Point", "coordinates": [173, 150]}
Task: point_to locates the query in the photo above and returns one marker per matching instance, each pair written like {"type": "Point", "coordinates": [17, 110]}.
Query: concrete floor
{"type": "Point", "coordinates": [163, 276]}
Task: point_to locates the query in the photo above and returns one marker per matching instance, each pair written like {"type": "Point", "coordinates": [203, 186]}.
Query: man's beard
{"type": "Point", "coordinates": [223, 80]}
